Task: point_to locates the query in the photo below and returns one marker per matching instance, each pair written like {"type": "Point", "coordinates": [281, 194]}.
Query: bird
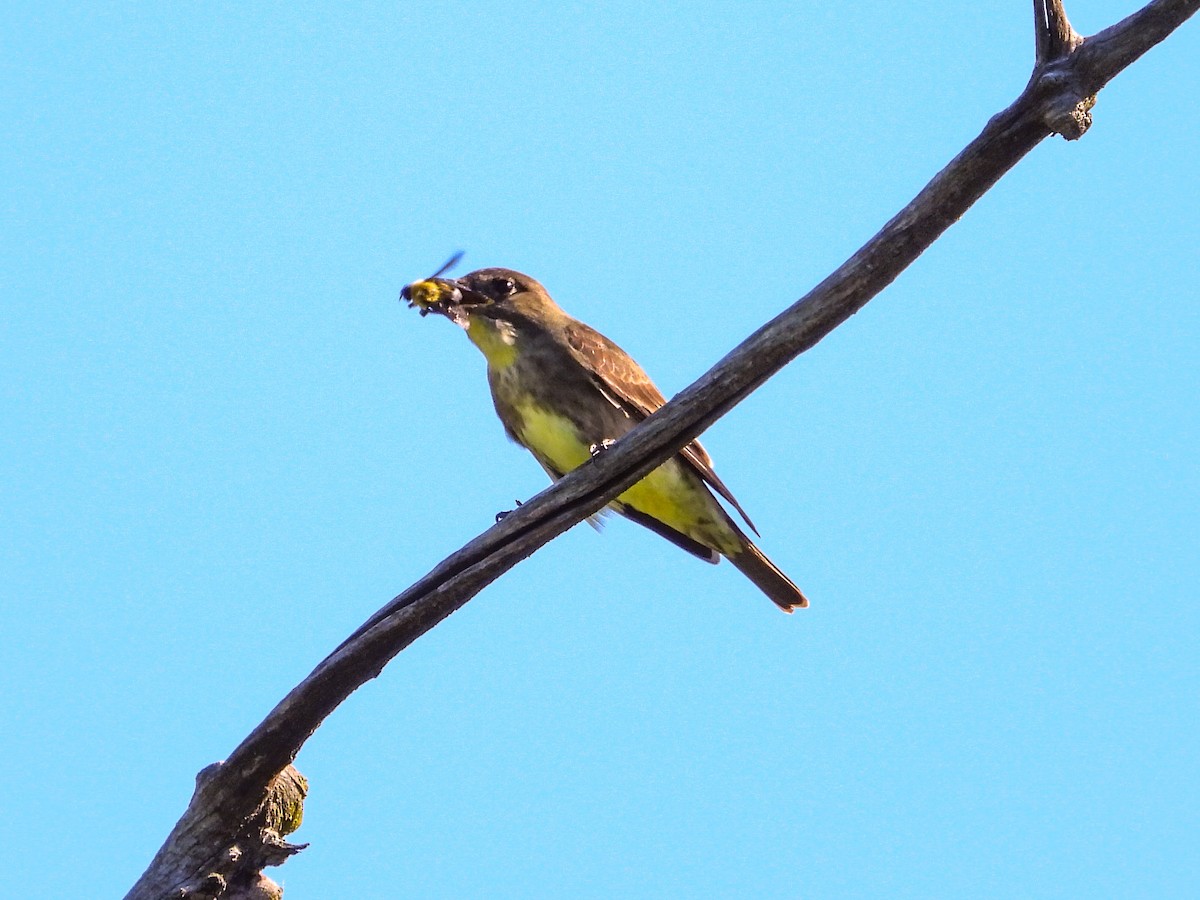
{"type": "Point", "coordinates": [564, 392]}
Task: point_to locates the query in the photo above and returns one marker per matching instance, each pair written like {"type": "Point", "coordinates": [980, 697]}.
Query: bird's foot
{"type": "Point", "coordinates": [501, 516]}
{"type": "Point", "coordinates": [597, 449]}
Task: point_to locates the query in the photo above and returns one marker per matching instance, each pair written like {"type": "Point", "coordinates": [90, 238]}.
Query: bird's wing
{"type": "Point", "coordinates": [627, 384]}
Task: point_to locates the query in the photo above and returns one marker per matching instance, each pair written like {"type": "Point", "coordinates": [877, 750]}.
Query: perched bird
{"type": "Point", "coordinates": [563, 390]}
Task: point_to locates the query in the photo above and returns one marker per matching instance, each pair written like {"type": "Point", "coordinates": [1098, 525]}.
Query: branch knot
{"type": "Point", "coordinates": [1060, 101]}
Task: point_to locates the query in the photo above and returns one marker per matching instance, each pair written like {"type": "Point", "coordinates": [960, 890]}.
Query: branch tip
{"type": "Point", "coordinates": [1054, 38]}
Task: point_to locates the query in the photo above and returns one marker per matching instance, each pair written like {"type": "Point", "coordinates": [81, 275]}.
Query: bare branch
{"type": "Point", "coordinates": [1071, 70]}
{"type": "Point", "coordinates": [231, 868]}
{"type": "Point", "coordinates": [1106, 53]}
{"type": "Point", "coordinates": [1054, 37]}
{"type": "Point", "coordinates": [1057, 99]}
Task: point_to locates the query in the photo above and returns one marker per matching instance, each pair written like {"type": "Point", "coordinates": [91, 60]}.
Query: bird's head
{"type": "Point", "coordinates": [491, 293]}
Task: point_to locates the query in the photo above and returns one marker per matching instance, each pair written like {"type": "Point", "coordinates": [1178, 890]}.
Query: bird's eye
{"type": "Point", "coordinates": [504, 287]}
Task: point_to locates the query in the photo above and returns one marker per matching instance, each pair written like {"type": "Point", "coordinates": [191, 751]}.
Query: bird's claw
{"type": "Point", "coordinates": [504, 514]}
{"type": "Point", "coordinates": [597, 449]}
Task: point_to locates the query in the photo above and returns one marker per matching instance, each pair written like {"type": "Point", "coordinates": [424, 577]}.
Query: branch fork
{"type": "Point", "coordinates": [1065, 106]}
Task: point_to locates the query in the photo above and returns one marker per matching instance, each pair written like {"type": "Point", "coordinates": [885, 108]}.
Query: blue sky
{"type": "Point", "coordinates": [225, 444]}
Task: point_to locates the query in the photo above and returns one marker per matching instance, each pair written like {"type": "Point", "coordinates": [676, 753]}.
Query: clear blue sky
{"type": "Point", "coordinates": [224, 443]}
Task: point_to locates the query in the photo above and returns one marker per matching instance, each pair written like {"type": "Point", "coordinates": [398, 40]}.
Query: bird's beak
{"type": "Point", "coordinates": [464, 296]}
{"type": "Point", "coordinates": [442, 295]}
{"type": "Point", "coordinates": [439, 295]}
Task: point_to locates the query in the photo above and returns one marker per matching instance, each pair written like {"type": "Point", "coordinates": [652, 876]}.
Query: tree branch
{"type": "Point", "coordinates": [1054, 38]}
{"type": "Point", "coordinates": [1057, 99]}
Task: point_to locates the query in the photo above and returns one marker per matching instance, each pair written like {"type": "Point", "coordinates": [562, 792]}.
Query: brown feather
{"type": "Point", "coordinates": [621, 376]}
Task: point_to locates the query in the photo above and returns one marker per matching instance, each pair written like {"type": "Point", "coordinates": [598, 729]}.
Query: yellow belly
{"type": "Point", "coordinates": [552, 437]}
{"type": "Point", "coordinates": [671, 493]}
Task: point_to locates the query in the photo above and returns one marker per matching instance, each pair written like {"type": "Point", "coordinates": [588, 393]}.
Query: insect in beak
{"type": "Point", "coordinates": [434, 294]}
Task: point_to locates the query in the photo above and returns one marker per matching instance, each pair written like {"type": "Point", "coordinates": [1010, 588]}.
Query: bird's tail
{"type": "Point", "coordinates": [752, 563]}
